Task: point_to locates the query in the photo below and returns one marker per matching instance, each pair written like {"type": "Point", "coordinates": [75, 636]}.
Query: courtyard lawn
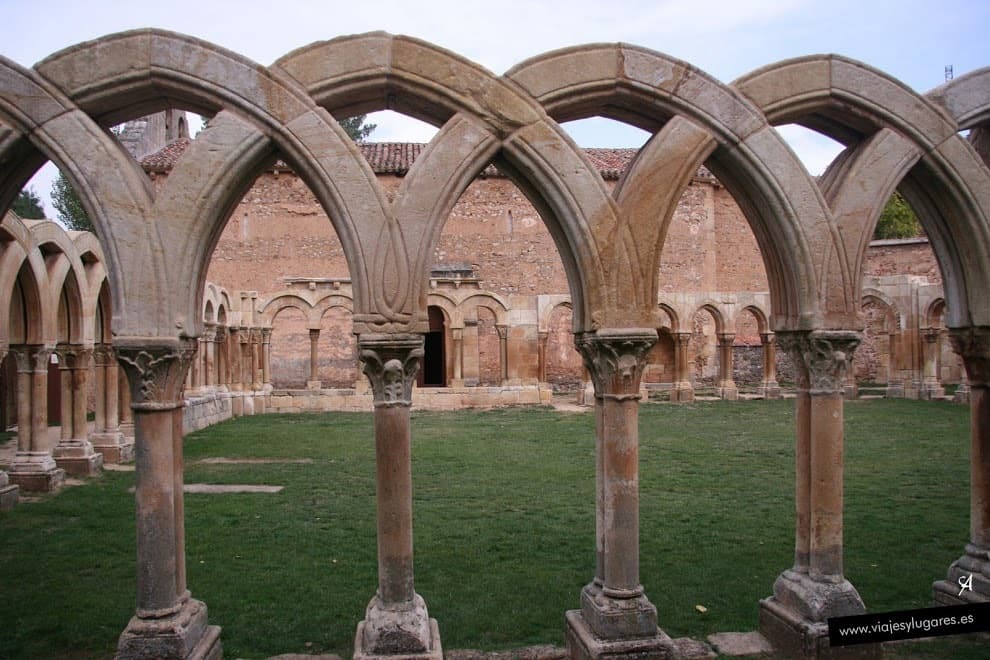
{"type": "Point", "coordinates": [504, 525]}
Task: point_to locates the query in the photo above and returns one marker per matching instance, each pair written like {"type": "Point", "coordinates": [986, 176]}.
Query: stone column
{"type": "Point", "coordinates": [973, 567]}
{"type": "Point", "coordinates": [769, 388]}
{"type": "Point", "coordinates": [616, 619]}
{"type": "Point", "coordinates": [206, 349]}
{"type": "Point", "coordinates": [543, 338]}
{"type": "Point", "coordinates": [234, 365]}
{"type": "Point", "coordinates": [683, 390]}
{"type": "Point", "coordinates": [220, 351]}
{"type": "Point", "coordinates": [396, 621]}
{"type": "Point", "coordinates": [962, 391]}
{"type": "Point", "coordinates": [895, 376]}
{"type": "Point", "coordinates": [794, 619]}
{"type": "Point", "coordinates": [314, 356]}
{"type": "Point", "coordinates": [930, 386]}
{"type": "Point", "coordinates": [266, 358]}
{"type": "Point", "coordinates": [256, 359]}
{"type": "Point", "coordinates": [74, 452]}
{"type": "Point", "coordinates": [457, 339]}
{"type": "Point", "coordinates": [107, 438]}
{"type": "Point", "coordinates": [503, 353]}
{"type": "Point", "coordinates": [168, 623]}
{"type": "Point", "coordinates": [9, 493]}
{"type": "Point", "coordinates": [197, 366]}
{"type": "Point", "coordinates": [726, 385]}
{"type": "Point", "coordinates": [33, 467]}
{"type": "Point", "coordinates": [126, 414]}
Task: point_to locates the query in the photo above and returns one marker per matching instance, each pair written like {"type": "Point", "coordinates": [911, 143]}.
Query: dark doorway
{"type": "Point", "coordinates": [434, 371]}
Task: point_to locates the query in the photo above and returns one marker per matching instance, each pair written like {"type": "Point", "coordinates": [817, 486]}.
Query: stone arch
{"type": "Point", "coordinates": [783, 206]}
{"type": "Point", "coordinates": [482, 116]}
{"type": "Point", "coordinates": [673, 316]}
{"type": "Point", "coordinates": [165, 68]}
{"type": "Point", "coordinates": [451, 308]}
{"type": "Point", "coordinates": [935, 314]}
{"type": "Point", "coordinates": [884, 121]}
{"type": "Point", "coordinates": [283, 301]}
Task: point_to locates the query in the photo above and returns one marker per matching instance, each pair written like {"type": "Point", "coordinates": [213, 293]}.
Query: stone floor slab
{"type": "Point", "coordinates": [741, 644]}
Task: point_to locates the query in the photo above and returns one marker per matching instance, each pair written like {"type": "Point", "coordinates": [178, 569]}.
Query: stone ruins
{"type": "Point", "coordinates": [140, 312]}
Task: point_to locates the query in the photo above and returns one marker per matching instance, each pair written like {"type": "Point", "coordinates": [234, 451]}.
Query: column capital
{"type": "Point", "coordinates": [220, 334]}
{"type": "Point", "coordinates": [931, 335]}
{"type": "Point", "coordinates": [726, 338]}
{"type": "Point", "coordinates": [31, 358]}
{"type": "Point", "coordinates": [391, 363]}
{"type": "Point", "coordinates": [502, 330]}
{"type": "Point", "coordinates": [973, 345]}
{"type": "Point", "coordinates": [266, 335]}
{"type": "Point", "coordinates": [767, 337]}
{"type": "Point", "coordinates": [615, 359]}
{"type": "Point", "coordinates": [73, 356]}
{"type": "Point", "coordinates": [824, 357]}
{"type": "Point", "coordinates": [156, 371]}
{"type": "Point", "coordinates": [103, 355]}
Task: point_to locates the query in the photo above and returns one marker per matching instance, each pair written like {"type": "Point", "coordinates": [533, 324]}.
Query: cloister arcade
{"type": "Point", "coordinates": [149, 268]}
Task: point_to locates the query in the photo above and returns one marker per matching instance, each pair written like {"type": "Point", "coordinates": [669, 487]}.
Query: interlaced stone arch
{"type": "Point", "coordinates": [895, 138]}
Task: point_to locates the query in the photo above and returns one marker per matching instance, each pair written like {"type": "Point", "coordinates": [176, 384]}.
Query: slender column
{"type": "Point", "coordinates": [126, 414]}
{"type": "Point", "coordinates": [196, 367]}
{"type": "Point", "coordinates": [255, 359]}
{"type": "Point", "coordinates": [503, 353]}
{"type": "Point", "coordinates": [33, 467]}
{"type": "Point", "coordinates": [266, 358]}
{"type": "Point", "coordinates": [726, 385]}
{"type": "Point", "coordinates": [208, 350]}
{"type": "Point", "coordinates": [234, 366]}
{"type": "Point", "coordinates": [314, 357]}
{"type": "Point", "coordinates": [221, 357]}
{"type": "Point", "coordinates": [973, 567]}
{"type": "Point", "coordinates": [616, 617]}
{"type": "Point", "coordinates": [930, 387]}
{"type": "Point", "coordinates": [74, 452]}
{"type": "Point", "coordinates": [683, 390]}
{"type": "Point", "coordinates": [769, 388]}
{"type": "Point", "coordinates": [107, 438]}
{"type": "Point", "coordinates": [168, 622]}
{"type": "Point", "coordinates": [9, 493]}
{"type": "Point", "coordinates": [396, 621]}
{"type": "Point", "coordinates": [543, 338]}
{"type": "Point", "coordinates": [457, 338]}
{"type": "Point", "coordinates": [815, 589]}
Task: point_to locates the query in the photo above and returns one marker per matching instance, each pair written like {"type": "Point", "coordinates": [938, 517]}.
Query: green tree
{"type": "Point", "coordinates": [356, 127]}
{"type": "Point", "coordinates": [28, 205]}
{"type": "Point", "coordinates": [70, 209]}
{"type": "Point", "coordinates": [898, 220]}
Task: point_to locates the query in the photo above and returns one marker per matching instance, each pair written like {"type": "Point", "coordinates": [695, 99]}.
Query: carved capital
{"type": "Point", "coordinates": [726, 338]}
{"type": "Point", "coordinates": [766, 338]}
{"type": "Point", "coordinates": [681, 337]}
{"type": "Point", "coordinates": [73, 356]}
{"type": "Point", "coordinates": [503, 332]}
{"type": "Point", "coordinates": [822, 356]}
{"type": "Point", "coordinates": [615, 359]}
{"type": "Point", "coordinates": [391, 363]}
{"type": "Point", "coordinates": [220, 335]}
{"type": "Point", "coordinates": [931, 335]}
{"type": "Point", "coordinates": [32, 358]}
{"type": "Point", "coordinates": [973, 346]}
{"type": "Point", "coordinates": [266, 335]}
{"type": "Point", "coordinates": [156, 372]}
{"type": "Point", "coordinates": [103, 355]}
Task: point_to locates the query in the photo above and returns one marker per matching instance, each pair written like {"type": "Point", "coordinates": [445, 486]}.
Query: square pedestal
{"type": "Point", "coordinates": [795, 637]}
{"type": "Point", "coordinates": [8, 497]}
{"type": "Point", "coordinates": [114, 447]}
{"type": "Point", "coordinates": [38, 482]}
{"type": "Point", "coordinates": [435, 652]}
{"type": "Point", "coordinates": [583, 644]}
{"type": "Point", "coordinates": [184, 634]}
{"type": "Point", "coordinates": [81, 466]}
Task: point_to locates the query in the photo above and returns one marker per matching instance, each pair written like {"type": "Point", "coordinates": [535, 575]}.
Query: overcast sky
{"type": "Point", "coordinates": [912, 40]}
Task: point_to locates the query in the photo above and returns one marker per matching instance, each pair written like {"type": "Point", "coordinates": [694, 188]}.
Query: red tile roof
{"type": "Point", "coordinates": [397, 158]}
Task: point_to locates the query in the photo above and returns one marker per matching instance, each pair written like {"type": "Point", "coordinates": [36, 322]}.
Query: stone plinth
{"type": "Point", "coordinates": [36, 472]}
{"type": "Point", "coordinates": [398, 633]}
{"type": "Point", "coordinates": [8, 493]}
{"type": "Point", "coordinates": [583, 644]}
{"type": "Point", "coordinates": [77, 458]}
{"type": "Point", "coordinates": [182, 634]}
{"type": "Point", "coordinates": [793, 636]}
{"type": "Point", "coordinates": [976, 564]}
{"type": "Point", "coordinates": [114, 447]}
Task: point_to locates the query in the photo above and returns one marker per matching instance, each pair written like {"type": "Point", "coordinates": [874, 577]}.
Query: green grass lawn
{"type": "Point", "coordinates": [504, 524]}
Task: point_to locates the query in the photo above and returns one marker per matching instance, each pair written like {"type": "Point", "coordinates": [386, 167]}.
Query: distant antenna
{"type": "Point", "coordinates": [948, 72]}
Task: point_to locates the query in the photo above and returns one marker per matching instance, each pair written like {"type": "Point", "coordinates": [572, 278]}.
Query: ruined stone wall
{"type": "Point", "coordinates": [912, 256]}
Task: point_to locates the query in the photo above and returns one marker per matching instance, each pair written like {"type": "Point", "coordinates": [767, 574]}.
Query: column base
{"type": "Point", "coordinates": [8, 493]}
{"type": "Point", "coordinates": [114, 447]}
{"type": "Point", "coordinates": [184, 634]}
{"type": "Point", "coordinates": [975, 563]}
{"type": "Point", "coordinates": [794, 636]}
{"type": "Point", "coordinates": [895, 390]}
{"type": "Point", "coordinates": [398, 632]}
{"type": "Point", "coordinates": [728, 392]}
{"type": "Point", "coordinates": [617, 618]}
{"type": "Point", "coordinates": [314, 384]}
{"type": "Point", "coordinates": [682, 393]}
{"type": "Point", "coordinates": [930, 391]}
{"type": "Point", "coordinates": [77, 458]}
{"type": "Point", "coordinates": [962, 393]}
{"type": "Point", "coordinates": [815, 600]}
{"type": "Point", "coordinates": [584, 644]}
{"type": "Point", "coordinates": [36, 472]}
{"type": "Point", "coordinates": [770, 390]}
